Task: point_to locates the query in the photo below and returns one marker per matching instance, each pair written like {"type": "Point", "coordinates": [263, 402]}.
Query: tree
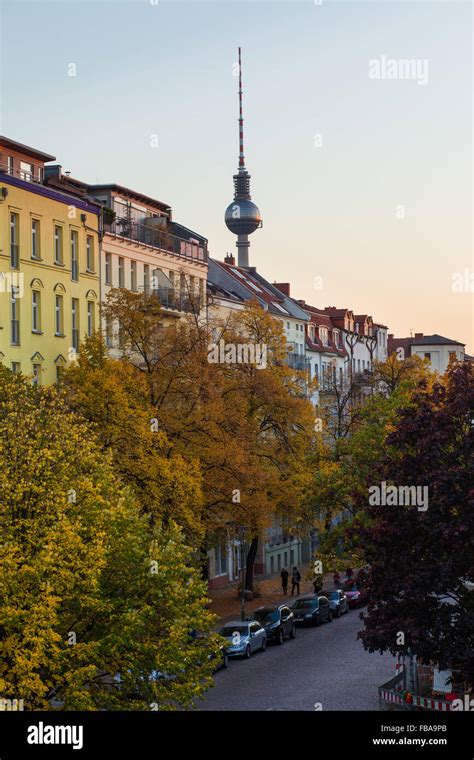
{"type": "Point", "coordinates": [421, 560]}
{"type": "Point", "coordinates": [113, 397]}
{"type": "Point", "coordinates": [248, 426]}
{"type": "Point", "coordinates": [93, 598]}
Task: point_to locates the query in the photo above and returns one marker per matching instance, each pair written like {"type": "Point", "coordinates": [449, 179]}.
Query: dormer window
{"type": "Point", "coordinates": [335, 335]}
{"type": "Point", "coordinates": [323, 335]}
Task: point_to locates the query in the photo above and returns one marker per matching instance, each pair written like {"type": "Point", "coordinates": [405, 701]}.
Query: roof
{"type": "Point", "coordinates": [273, 300]}
{"type": "Point", "coordinates": [131, 193]}
{"type": "Point", "coordinates": [5, 142]}
{"type": "Point", "coordinates": [434, 340]}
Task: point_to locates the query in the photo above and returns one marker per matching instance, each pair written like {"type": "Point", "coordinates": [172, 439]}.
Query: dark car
{"type": "Point", "coordinates": [312, 610]}
{"type": "Point", "coordinates": [278, 622]}
{"type": "Point", "coordinates": [356, 596]}
{"type": "Point", "coordinates": [338, 601]}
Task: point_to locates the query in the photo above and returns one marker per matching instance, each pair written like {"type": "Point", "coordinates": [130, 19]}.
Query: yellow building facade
{"type": "Point", "coordinates": [49, 274]}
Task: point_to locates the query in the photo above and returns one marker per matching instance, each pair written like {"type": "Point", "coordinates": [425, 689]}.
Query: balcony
{"type": "Point", "coordinates": [36, 176]}
{"type": "Point", "coordinates": [298, 361]}
{"type": "Point", "coordinates": [172, 300]}
{"type": "Point", "coordinates": [151, 237]}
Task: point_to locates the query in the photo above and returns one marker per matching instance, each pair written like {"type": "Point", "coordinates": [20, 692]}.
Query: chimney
{"type": "Point", "coordinates": [283, 287]}
{"type": "Point", "coordinates": [229, 259]}
{"type": "Point", "coordinates": [53, 171]}
{"type": "Point", "coordinates": [390, 336]}
{"type": "Point", "coordinates": [418, 336]}
{"type": "Point", "coordinates": [301, 303]}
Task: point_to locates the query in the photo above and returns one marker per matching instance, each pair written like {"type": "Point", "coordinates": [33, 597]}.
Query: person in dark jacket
{"type": "Point", "coordinates": [295, 581]}
{"type": "Point", "coordinates": [284, 580]}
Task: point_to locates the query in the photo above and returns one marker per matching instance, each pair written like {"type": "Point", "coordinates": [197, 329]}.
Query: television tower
{"type": "Point", "coordinates": [242, 216]}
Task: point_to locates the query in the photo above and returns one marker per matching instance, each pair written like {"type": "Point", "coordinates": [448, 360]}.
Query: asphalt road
{"type": "Point", "coordinates": [326, 665]}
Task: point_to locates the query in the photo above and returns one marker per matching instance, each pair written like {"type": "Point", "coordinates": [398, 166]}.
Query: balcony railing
{"type": "Point", "coordinates": [297, 361]}
{"type": "Point", "coordinates": [176, 300]}
{"type": "Point", "coordinates": [27, 176]}
{"type": "Point", "coordinates": [158, 239]}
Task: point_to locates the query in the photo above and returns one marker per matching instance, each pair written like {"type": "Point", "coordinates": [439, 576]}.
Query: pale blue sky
{"type": "Point", "coordinates": [329, 211]}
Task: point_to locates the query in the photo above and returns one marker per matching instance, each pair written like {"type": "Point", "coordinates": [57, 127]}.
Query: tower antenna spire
{"type": "Point", "coordinates": [241, 118]}
{"type": "Point", "coordinates": [242, 216]}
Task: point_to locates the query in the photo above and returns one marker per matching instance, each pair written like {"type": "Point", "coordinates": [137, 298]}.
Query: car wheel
{"type": "Point", "coordinates": [248, 652]}
{"type": "Point", "coordinates": [281, 636]}
{"type": "Point", "coordinates": [225, 661]}
{"type": "Point", "coordinates": [330, 617]}
{"type": "Point", "coordinates": [338, 612]}
{"type": "Point", "coordinates": [317, 621]}
{"type": "Point", "coordinates": [293, 632]}
{"type": "Point", "coordinates": [264, 645]}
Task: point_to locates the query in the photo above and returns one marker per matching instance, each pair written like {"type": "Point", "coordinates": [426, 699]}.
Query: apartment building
{"type": "Point", "coordinates": [49, 266]}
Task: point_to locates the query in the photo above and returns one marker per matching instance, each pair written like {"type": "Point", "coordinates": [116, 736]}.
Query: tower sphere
{"type": "Point", "coordinates": [242, 217]}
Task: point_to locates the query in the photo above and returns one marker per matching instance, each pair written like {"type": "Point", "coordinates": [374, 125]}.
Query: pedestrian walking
{"type": "Point", "coordinates": [295, 581]}
{"type": "Point", "coordinates": [337, 580]}
{"type": "Point", "coordinates": [349, 573]}
{"type": "Point", "coordinates": [284, 580]}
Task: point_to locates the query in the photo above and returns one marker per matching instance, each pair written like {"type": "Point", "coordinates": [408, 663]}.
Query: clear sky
{"type": "Point", "coordinates": [363, 182]}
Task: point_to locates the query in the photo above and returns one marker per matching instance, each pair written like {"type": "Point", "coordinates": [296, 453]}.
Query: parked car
{"type": "Point", "coordinates": [278, 621]}
{"type": "Point", "coordinates": [312, 610]}
{"type": "Point", "coordinates": [356, 596]}
{"type": "Point", "coordinates": [338, 601]}
{"type": "Point", "coordinates": [244, 637]}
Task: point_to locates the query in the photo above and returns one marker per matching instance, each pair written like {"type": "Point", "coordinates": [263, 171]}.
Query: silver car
{"type": "Point", "coordinates": [244, 637]}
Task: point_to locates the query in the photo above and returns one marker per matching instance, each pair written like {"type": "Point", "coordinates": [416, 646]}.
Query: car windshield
{"type": "Point", "coordinates": [267, 616]}
{"type": "Point", "coordinates": [230, 630]}
{"type": "Point", "coordinates": [331, 594]}
{"type": "Point", "coordinates": [305, 604]}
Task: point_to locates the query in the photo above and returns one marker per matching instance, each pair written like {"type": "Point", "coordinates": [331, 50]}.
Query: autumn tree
{"type": "Point", "coordinates": [96, 603]}
{"type": "Point", "coordinates": [248, 424]}
{"type": "Point", "coordinates": [114, 398]}
{"type": "Point", "coordinates": [422, 560]}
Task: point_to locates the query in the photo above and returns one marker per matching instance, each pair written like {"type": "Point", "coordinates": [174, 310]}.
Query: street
{"type": "Point", "coordinates": [325, 665]}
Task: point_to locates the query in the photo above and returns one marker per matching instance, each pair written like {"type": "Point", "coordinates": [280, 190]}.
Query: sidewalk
{"type": "Point", "coordinates": [225, 603]}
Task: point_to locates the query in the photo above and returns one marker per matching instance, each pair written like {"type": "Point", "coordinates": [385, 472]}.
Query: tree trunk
{"type": "Point", "coordinates": [251, 555]}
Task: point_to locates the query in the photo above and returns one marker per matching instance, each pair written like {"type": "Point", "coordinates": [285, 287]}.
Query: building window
{"type": "Point", "coordinates": [171, 279]}
{"type": "Point", "coordinates": [40, 173]}
{"type": "Point", "coordinates": [36, 374]}
{"type": "Point", "coordinates": [133, 275]}
{"type": "Point", "coordinates": [335, 336]}
{"type": "Point", "coordinates": [202, 284]}
{"type": "Point", "coordinates": [323, 335]}
{"type": "Point", "coordinates": [59, 372]}
{"type": "Point", "coordinates": [341, 377]}
{"type": "Point", "coordinates": [27, 171]}
{"type": "Point", "coordinates": [35, 311]}
{"type": "Point", "coordinates": [35, 239]}
{"type": "Point", "coordinates": [90, 318]}
{"type": "Point", "coordinates": [146, 278]}
{"type": "Point", "coordinates": [452, 356]}
{"type": "Point", "coordinates": [74, 260]}
{"type": "Point", "coordinates": [108, 269]}
{"type": "Point", "coordinates": [10, 166]}
{"type": "Point", "coordinates": [428, 356]}
{"type": "Point", "coordinates": [221, 559]}
{"type": "Point", "coordinates": [16, 368]}
{"type": "Point", "coordinates": [14, 252]}
{"type": "Point", "coordinates": [90, 253]}
{"type": "Point", "coordinates": [58, 316]}
{"type": "Point", "coordinates": [15, 318]}
{"type": "Point", "coordinates": [58, 245]}
{"type": "Point", "coordinates": [121, 272]}
{"type": "Point", "coordinates": [358, 365]}
{"type": "Point", "coordinates": [109, 337]}
{"type": "Point", "coordinates": [75, 323]}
